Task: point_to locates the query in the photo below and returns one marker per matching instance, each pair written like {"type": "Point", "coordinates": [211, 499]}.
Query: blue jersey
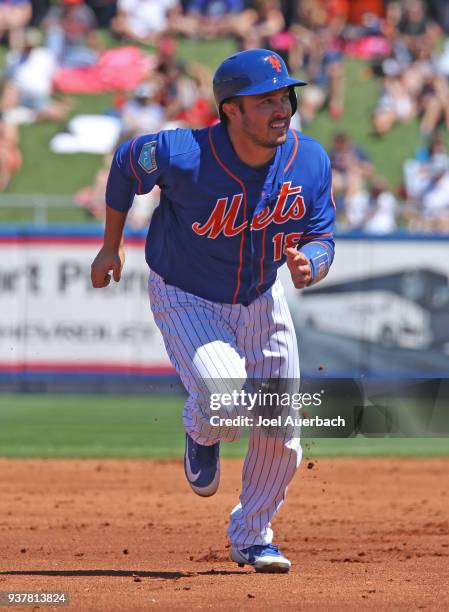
{"type": "Point", "coordinates": [221, 227]}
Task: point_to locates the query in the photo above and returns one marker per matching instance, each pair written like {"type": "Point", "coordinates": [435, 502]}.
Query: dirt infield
{"type": "Point", "coordinates": [130, 535]}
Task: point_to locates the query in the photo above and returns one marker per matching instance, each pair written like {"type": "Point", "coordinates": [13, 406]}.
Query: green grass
{"type": "Point", "coordinates": [47, 172]}
{"type": "Point", "coordinates": [376, 447]}
{"type": "Point", "coordinates": [92, 426]}
{"type": "Point", "coordinates": [26, 214]}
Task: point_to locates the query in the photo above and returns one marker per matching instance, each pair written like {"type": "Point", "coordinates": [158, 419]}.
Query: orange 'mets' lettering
{"type": "Point", "coordinates": [221, 220]}
{"type": "Point", "coordinates": [296, 210]}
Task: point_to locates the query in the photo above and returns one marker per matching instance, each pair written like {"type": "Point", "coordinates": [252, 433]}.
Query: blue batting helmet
{"type": "Point", "coordinates": [252, 72]}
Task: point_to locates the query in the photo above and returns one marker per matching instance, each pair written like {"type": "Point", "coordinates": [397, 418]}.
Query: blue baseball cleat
{"type": "Point", "coordinates": [202, 467]}
{"type": "Point", "coordinates": [263, 557]}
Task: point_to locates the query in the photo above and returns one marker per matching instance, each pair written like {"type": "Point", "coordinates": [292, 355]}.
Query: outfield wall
{"type": "Point", "coordinates": [383, 311]}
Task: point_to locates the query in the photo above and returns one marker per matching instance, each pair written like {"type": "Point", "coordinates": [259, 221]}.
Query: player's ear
{"type": "Point", "coordinates": [232, 108]}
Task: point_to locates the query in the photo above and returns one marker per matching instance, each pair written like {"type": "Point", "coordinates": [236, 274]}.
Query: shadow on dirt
{"type": "Point", "coordinates": [120, 573]}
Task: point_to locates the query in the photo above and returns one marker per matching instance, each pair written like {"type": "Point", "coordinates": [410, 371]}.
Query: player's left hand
{"type": "Point", "coordinates": [108, 259]}
{"type": "Point", "coordinates": [299, 266]}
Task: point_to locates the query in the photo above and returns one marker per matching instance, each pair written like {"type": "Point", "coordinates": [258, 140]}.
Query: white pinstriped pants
{"type": "Point", "coordinates": [211, 344]}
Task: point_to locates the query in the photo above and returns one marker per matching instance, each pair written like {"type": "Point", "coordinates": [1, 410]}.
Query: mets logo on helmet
{"type": "Point", "coordinates": [275, 63]}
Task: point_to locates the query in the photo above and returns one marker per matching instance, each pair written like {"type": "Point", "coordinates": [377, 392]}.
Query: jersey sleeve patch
{"type": "Point", "coordinates": [147, 157]}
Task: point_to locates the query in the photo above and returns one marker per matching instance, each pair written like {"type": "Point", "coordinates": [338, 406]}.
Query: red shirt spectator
{"type": "Point", "coordinates": [358, 8]}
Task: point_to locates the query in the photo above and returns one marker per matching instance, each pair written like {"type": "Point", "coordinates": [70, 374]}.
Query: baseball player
{"type": "Point", "coordinates": [238, 200]}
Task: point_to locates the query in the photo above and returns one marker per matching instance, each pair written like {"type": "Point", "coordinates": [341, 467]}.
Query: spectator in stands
{"type": "Point", "coordinates": [10, 155]}
{"type": "Point", "coordinates": [187, 87]}
{"type": "Point", "coordinates": [419, 176]}
{"type": "Point", "coordinates": [211, 19]}
{"type": "Point", "coordinates": [433, 103]}
{"type": "Point", "coordinates": [416, 88]}
{"type": "Point", "coordinates": [27, 92]}
{"type": "Point", "coordinates": [411, 32]}
{"type": "Point", "coordinates": [317, 28]}
{"type": "Point", "coordinates": [372, 209]}
{"type": "Point", "coordinates": [40, 9]}
{"type": "Point", "coordinates": [288, 11]}
{"type": "Point", "coordinates": [395, 103]}
{"type": "Point", "coordinates": [308, 16]}
{"type": "Point", "coordinates": [382, 208]}
{"type": "Point", "coordinates": [359, 9]}
{"type": "Point", "coordinates": [180, 91]}
{"type": "Point", "coordinates": [104, 11]}
{"type": "Point", "coordinates": [175, 94]}
{"type": "Point", "coordinates": [194, 103]}
{"type": "Point", "coordinates": [266, 20]}
{"type": "Point", "coordinates": [144, 21]}
{"type": "Point", "coordinates": [416, 172]}
{"type": "Point", "coordinates": [443, 59]}
{"type": "Point", "coordinates": [429, 86]}
{"type": "Point", "coordinates": [92, 199]}
{"type": "Point", "coordinates": [249, 40]}
{"type": "Point", "coordinates": [435, 199]}
{"type": "Point", "coordinates": [439, 12]}
{"type": "Point", "coordinates": [72, 35]}
{"type": "Point", "coordinates": [393, 14]}
{"type": "Point", "coordinates": [350, 168]}
{"type": "Point", "coordinates": [144, 113]}
{"type": "Point", "coordinates": [15, 15]}
{"type": "Point", "coordinates": [406, 25]}
{"type": "Point", "coordinates": [415, 23]}
{"type": "Point", "coordinates": [435, 146]}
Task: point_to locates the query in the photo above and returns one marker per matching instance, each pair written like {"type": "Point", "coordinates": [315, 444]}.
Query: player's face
{"type": "Point", "coordinates": [265, 118]}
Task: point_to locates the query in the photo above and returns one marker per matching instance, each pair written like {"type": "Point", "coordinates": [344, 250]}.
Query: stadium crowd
{"type": "Point", "coordinates": [54, 50]}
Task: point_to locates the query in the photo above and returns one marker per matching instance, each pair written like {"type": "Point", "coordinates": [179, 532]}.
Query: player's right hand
{"type": "Point", "coordinates": [107, 260]}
